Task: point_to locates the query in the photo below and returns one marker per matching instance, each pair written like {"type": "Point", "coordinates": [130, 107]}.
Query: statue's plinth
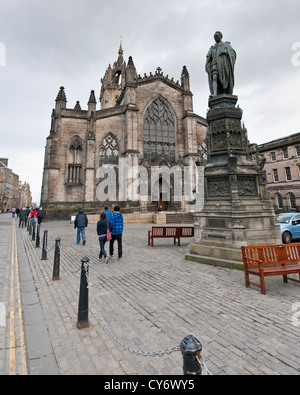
{"type": "Point", "coordinates": [237, 210]}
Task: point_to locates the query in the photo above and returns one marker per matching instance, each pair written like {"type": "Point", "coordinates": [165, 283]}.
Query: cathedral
{"type": "Point", "coordinates": [146, 124]}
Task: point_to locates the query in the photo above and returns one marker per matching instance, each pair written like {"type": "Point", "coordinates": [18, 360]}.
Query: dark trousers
{"type": "Point", "coordinates": [111, 245]}
{"type": "Point", "coordinates": [102, 241]}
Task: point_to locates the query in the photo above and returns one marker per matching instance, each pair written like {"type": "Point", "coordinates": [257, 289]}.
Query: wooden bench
{"type": "Point", "coordinates": [272, 260]}
{"type": "Point", "coordinates": [175, 232]}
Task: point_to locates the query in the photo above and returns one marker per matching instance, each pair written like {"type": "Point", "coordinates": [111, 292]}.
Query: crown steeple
{"type": "Point", "coordinates": [113, 81]}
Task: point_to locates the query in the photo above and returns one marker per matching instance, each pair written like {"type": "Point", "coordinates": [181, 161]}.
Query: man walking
{"type": "Point", "coordinates": [81, 222]}
{"type": "Point", "coordinates": [116, 229]}
{"type": "Point", "coordinates": [108, 213]}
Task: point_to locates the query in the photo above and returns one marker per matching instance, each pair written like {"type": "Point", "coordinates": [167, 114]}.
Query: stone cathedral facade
{"type": "Point", "coordinates": [143, 121]}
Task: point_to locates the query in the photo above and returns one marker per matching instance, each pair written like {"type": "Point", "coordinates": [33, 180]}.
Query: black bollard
{"type": "Point", "coordinates": [45, 242]}
{"type": "Point", "coordinates": [30, 228]}
{"type": "Point", "coordinates": [191, 349]}
{"type": "Point", "coordinates": [83, 305]}
{"type": "Point", "coordinates": [33, 231]}
{"type": "Point", "coordinates": [37, 239]}
{"type": "Point", "coordinates": [56, 260]}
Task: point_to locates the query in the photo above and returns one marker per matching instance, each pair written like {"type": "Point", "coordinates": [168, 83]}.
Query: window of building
{"type": "Point", "coordinates": [298, 150]}
{"type": "Point", "coordinates": [109, 151]}
{"type": "Point", "coordinates": [285, 153]}
{"type": "Point", "coordinates": [273, 156]}
{"type": "Point", "coordinates": [292, 201]}
{"type": "Point", "coordinates": [159, 132]}
{"type": "Point", "coordinates": [279, 201]}
{"type": "Point", "coordinates": [275, 175]}
{"type": "Point", "coordinates": [288, 174]}
{"type": "Point", "coordinates": [75, 160]}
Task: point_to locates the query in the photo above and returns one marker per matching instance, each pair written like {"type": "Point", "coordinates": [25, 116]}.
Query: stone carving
{"type": "Point", "coordinates": [218, 186]}
{"type": "Point", "coordinates": [247, 186]}
{"type": "Point", "coordinates": [220, 62]}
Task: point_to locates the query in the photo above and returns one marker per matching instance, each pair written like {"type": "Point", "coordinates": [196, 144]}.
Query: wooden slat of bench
{"type": "Point", "coordinates": [275, 270]}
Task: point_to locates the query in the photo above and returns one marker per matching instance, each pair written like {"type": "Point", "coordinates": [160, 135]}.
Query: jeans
{"type": "Point", "coordinates": [80, 231]}
{"type": "Point", "coordinates": [102, 241]}
{"type": "Point", "coordinates": [111, 245]}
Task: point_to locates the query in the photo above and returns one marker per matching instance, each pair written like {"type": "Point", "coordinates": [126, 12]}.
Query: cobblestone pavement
{"type": "Point", "coordinates": [151, 300]}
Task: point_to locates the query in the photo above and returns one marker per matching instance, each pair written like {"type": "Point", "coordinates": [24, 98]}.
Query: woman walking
{"type": "Point", "coordinates": [102, 226]}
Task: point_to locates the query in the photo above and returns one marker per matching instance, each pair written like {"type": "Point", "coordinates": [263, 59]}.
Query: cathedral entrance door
{"type": "Point", "coordinates": [163, 204]}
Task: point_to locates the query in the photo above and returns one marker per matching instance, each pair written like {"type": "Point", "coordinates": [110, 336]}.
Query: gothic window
{"type": "Point", "coordinates": [109, 151]}
{"type": "Point", "coordinates": [279, 201]}
{"type": "Point", "coordinates": [292, 201]}
{"type": "Point", "coordinates": [75, 160]}
{"type": "Point", "coordinates": [159, 132]}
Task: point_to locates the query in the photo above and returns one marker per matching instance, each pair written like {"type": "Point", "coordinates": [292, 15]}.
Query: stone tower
{"type": "Point", "coordinates": [113, 82]}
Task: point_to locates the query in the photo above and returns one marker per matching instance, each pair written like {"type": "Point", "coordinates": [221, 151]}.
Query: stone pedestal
{"type": "Point", "coordinates": [238, 209]}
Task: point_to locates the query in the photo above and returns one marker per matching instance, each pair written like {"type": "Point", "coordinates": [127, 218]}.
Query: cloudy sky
{"type": "Point", "coordinates": [45, 44]}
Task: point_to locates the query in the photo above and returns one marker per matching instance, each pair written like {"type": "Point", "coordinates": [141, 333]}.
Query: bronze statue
{"type": "Point", "coordinates": [220, 62]}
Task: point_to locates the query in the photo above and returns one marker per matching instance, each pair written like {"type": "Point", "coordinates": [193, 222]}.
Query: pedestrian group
{"type": "Point", "coordinates": [109, 228]}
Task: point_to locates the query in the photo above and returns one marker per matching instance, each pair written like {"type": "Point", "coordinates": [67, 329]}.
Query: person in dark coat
{"type": "Point", "coordinates": [102, 226]}
{"type": "Point", "coordinates": [81, 222]}
{"type": "Point", "coordinates": [40, 215]}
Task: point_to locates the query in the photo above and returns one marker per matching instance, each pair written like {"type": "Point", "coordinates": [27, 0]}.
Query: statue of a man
{"type": "Point", "coordinates": [220, 62]}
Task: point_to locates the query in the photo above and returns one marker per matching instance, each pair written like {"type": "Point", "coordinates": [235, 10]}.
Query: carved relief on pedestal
{"type": "Point", "coordinates": [218, 187]}
{"type": "Point", "coordinates": [247, 186]}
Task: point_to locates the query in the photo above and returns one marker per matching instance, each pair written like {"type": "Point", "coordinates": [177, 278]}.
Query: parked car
{"type": "Point", "coordinates": [290, 226]}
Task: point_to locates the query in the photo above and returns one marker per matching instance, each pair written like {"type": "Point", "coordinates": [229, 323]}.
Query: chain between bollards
{"type": "Point", "coordinates": [190, 347]}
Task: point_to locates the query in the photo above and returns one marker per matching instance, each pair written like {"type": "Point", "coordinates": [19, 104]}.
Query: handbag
{"type": "Point", "coordinates": [108, 235]}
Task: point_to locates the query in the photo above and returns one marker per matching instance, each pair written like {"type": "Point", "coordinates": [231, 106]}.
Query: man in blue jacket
{"type": "Point", "coordinates": [116, 226]}
{"type": "Point", "coordinates": [81, 222]}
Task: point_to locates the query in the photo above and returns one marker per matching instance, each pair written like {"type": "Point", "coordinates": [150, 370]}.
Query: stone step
{"type": "Point", "coordinates": [213, 261]}
{"type": "Point", "coordinates": [177, 218]}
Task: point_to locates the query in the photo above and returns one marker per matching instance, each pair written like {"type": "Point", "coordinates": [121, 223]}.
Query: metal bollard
{"type": "Point", "coordinates": [191, 349]}
{"type": "Point", "coordinates": [30, 228]}
{"type": "Point", "coordinates": [37, 239]}
{"type": "Point", "coordinates": [56, 260]}
{"type": "Point", "coordinates": [33, 231]}
{"type": "Point", "coordinates": [83, 305]}
{"type": "Point", "coordinates": [45, 242]}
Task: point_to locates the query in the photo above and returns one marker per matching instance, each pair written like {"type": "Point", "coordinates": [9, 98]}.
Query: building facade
{"type": "Point", "coordinates": [282, 166]}
{"type": "Point", "coordinates": [99, 157]}
{"type": "Point", "coordinates": [13, 193]}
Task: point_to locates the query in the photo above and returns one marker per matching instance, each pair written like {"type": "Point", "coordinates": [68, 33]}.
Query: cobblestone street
{"type": "Point", "coordinates": [151, 300]}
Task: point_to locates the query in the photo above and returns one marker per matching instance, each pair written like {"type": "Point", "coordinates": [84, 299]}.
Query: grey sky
{"type": "Point", "coordinates": [53, 43]}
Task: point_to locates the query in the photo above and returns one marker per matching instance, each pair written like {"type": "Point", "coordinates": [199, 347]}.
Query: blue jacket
{"type": "Point", "coordinates": [116, 224]}
{"type": "Point", "coordinates": [81, 220]}
{"type": "Point", "coordinates": [108, 214]}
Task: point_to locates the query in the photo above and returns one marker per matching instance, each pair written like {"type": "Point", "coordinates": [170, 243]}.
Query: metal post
{"type": "Point", "coordinates": [30, 227]}
{"type": "Point", "coordinates": [37, 240]}
{"type": "Point", "coordinates": [45, 242]}
{"type": "Point", "coordinates": [83, 305]}
{"type": "Point", "coordinates": [33, 231]}
{"type": "Point", "coordinates": [191, 348]}
{"type": "Point", "coordinates": [56, 260]}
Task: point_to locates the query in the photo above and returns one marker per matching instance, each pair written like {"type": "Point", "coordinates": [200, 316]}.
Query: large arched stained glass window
{"type": "Point", "coordinates": [159, 132]}
{"type": "Point", "coordinates": [109, 151]}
